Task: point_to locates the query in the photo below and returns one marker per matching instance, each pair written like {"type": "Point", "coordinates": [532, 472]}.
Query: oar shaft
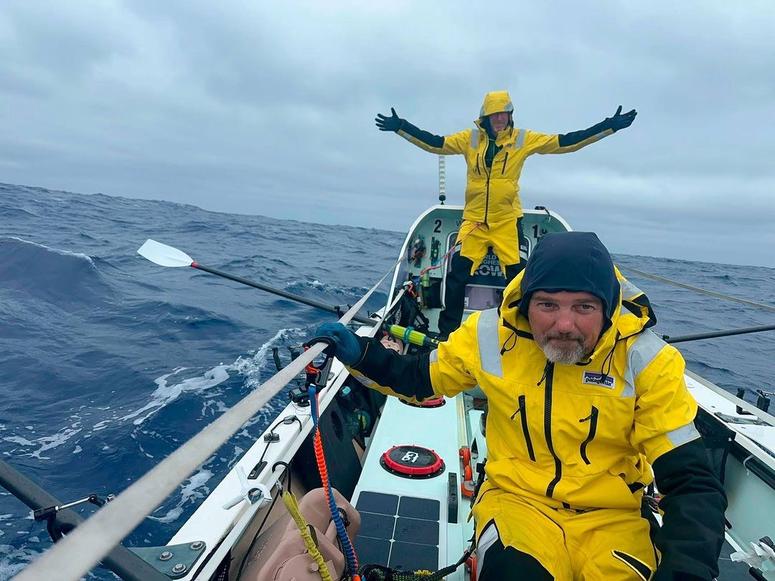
{"type": "Point", "coordinates": [280, 292]}
{"type": "Point", "coordinates": [713, 334]}
{"type": "Point", "coordinates": [120, 560]}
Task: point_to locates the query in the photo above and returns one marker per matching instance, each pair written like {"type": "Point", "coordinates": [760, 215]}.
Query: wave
{"type": "Point", "coordinates": [51, 274]}
{"type": "Point", "coordinates": [166, 392]}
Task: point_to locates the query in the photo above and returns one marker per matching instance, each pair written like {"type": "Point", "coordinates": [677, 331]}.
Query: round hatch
{"type": "Point", "coordinates": [412, 462]}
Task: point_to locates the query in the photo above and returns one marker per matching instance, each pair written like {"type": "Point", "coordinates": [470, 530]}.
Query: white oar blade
{"type": "Point", "coordinates": [164, 255]}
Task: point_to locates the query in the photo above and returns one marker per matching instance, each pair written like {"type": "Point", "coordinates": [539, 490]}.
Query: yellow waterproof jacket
{"type": "Point", "coordinates": [583, 435]}
{"type": "Point", "coordinates": [492, 194]}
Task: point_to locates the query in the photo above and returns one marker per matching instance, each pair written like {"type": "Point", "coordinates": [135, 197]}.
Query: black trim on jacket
{"type": "Point", "coordinates": [408, 375]}
{"type": "Point", "coordinates": [574, 137]}
{"type": "Point", "coordinates": [693, 502]}
{"type": "Point", "coordinates": [422, 135]}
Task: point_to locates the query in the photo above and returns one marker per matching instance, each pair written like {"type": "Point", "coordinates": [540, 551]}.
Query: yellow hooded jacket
{"type": "Point", "coordinates": [583, 435]}
{"type": "Point", "coordinates": [580, 435]}
{"type": "Point", "coordinates": [586, 436]}
{"type": "Point", "coordinates": [492, 194]}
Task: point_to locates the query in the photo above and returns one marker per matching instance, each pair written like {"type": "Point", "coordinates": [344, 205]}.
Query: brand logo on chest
{"type": "Point", "coordinates": [598, 379]}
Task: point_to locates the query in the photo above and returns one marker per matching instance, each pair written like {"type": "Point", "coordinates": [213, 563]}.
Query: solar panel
{"type": "Point", "coordinates": [400, 532]}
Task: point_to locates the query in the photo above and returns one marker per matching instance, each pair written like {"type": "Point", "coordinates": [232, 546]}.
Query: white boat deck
{"type": "Point", "coordinates": [406, 523]}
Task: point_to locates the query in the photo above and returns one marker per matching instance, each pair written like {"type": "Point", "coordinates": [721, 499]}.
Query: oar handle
{"type": "Point", "coordinates": [280, 292]}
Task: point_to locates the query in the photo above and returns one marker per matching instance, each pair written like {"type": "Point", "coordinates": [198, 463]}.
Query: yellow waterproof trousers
{"type": "Point", "coordinates": [599, 544]}
{"type": "Point", "coordinates": [477, 238]}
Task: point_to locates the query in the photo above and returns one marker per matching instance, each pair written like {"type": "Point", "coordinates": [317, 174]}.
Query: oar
{"type": "Point", "coordinates": [164, 255]}
{"type": "Point", "coordinates": [713, 334]}
{"type": "Point", "coordinates": [120, 560]}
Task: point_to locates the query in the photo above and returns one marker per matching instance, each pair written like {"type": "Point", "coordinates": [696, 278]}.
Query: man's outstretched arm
{"type": "Point", "coordinates": [439, 144]}
{"type": "Point", "coordinates": [608, 126]}
{"type": "Point", "coordinates": [406, 376]}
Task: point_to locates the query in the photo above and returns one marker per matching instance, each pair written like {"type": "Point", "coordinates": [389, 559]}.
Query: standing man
{"type": "Point", "coordinates": [587, 407]}
{"type": "Point", "coordinates": [495, 151]}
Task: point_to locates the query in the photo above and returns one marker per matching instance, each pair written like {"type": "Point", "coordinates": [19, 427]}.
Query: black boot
{"type": "Point", "coordinates": [454, 295]}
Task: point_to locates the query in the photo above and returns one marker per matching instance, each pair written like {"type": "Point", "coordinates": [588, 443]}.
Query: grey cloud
{"type": "Point", "coordinates": [236, 106]}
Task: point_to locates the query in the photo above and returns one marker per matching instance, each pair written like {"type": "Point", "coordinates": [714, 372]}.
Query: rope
{"type": "Point", "coordinates": [702, 290]}
{"type": "Point", "coordinates": [341, 531]}
{"type": "Point", "coordinates": [293, 508]}
{"type": "Point", "coordinates": [82, 549]}
{"type": "Point", "coordinates": [449, 252]}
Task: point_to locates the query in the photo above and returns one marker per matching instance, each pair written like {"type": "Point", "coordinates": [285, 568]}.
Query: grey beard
{"type": "Point", "coordinates": [565, 355]}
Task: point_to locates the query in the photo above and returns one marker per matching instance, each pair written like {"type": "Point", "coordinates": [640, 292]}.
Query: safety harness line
{"type": "Point", "coordinates": [702, 290]}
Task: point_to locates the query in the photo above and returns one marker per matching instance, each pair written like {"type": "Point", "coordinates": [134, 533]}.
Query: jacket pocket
{"type": "Point", "coordinates": [592, 419]}
{"type": "Point", "coordinates": [522, 411]}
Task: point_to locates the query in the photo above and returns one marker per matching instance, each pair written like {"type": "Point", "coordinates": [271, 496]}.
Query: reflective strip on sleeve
{"type": "Point", "coordinates": [641, 353]}
{"type": "Point", "coordinates": [487, 337]}
{"type": "Point", "coordinates": [365, 380]}
{"type": "Point", "coordinates": [434, 356]}
{"type": "Point", "coordinates": [629, 290]}
{"type": "Point", "coordinates": [474, 138]}
{"type": "Point", "coordinates": [683, 435]}
{"type": "Point", "coordinates": [520, 138]}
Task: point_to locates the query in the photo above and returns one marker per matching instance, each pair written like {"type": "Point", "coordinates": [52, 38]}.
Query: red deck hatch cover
{"type": "Point", "coordinates": [412, 462]}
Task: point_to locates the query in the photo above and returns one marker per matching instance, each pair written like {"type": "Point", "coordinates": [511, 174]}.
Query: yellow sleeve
{"type": "Point", "coordinates": [455, 143]}
{"type": "Point", "coordinates": [451, 364]}
{"type": "Point", "coordinates": [664, 408]}
{"type": "Point", "coordinates": [536, 142]}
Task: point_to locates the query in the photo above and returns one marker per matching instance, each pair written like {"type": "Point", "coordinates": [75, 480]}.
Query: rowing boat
{"type": "Point", "coordinates": [406, 473]}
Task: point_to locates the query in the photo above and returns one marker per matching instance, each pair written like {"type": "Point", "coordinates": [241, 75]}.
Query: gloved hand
{"type": "Point", "coordinates": [619, 121]}
{"type": "Point", "coordinates": [392, 123]}
{"type": "Point", "coordinates": [348, 348]}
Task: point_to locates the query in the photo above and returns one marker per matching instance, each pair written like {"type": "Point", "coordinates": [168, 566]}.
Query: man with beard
{"type": "Point", "coordinates": [587, 407]}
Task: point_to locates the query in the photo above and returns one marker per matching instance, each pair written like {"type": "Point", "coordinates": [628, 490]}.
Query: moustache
{"type": "Point", "coordinates": [566, 337]}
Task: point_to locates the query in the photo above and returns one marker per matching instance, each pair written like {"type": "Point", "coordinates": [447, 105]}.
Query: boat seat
{"type": "Point", "coordinates": [290, 560]}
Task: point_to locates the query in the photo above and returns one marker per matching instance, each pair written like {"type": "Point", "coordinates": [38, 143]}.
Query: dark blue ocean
{"type": "Point", "coordinates": [109, 362]}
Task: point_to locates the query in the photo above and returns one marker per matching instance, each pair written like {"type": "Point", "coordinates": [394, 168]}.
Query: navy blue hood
{"type": "Point", "coordinates": [571, 261]}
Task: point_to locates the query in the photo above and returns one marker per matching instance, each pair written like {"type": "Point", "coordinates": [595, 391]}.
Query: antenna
{"type": "Point", "coordinates": [442, 180]}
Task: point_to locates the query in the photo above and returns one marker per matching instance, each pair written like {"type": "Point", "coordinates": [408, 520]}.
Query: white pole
{"type": "Point", "coordinates": [442, 180]}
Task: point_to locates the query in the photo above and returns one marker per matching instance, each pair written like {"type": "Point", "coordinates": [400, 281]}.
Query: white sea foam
{"type": "Point", "coordinates": [79, 255]}
{"type": "Point", "coordinates": [193, 489]}
{"type": "Point", "coordinates": [13, 560]}
{"type": "Point", "coordinates": [45, 442]}
{"type": "Point", "coordinates": [19, 440]}
{"type": "Point", "coordinates": [167, 390]}
{"type": "Point", "coordinates": [54, 441]}
{"type": "Point", "coordinates": [166, 393]}
{"type": "Point", "coordinates": [250, 367]}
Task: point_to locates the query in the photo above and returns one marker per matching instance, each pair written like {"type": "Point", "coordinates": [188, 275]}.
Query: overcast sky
{"type": "Point", "coordinates": [263, 107]}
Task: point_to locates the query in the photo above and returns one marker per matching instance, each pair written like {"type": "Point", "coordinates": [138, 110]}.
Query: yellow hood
{"type": "Point", "coordinates": [496, 102]}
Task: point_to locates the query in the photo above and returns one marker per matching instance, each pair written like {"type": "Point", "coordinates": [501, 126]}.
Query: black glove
{"type": "Point", "coordinates": [619, 121]}
{"type": "Point", "coordinates": [392, 123]}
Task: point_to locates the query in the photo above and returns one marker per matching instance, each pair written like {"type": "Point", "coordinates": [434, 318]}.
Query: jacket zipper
{"type": "Point", "coordinates": [503, 169]}
{"type": "Point", "coordinates": [487, 192]}
{"type": "Point", "coordinates": [548, 429]}
{"type": "Point", "coordinates": [522, 411]}
{"type": "Point", "coordinates": [592, 419]}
